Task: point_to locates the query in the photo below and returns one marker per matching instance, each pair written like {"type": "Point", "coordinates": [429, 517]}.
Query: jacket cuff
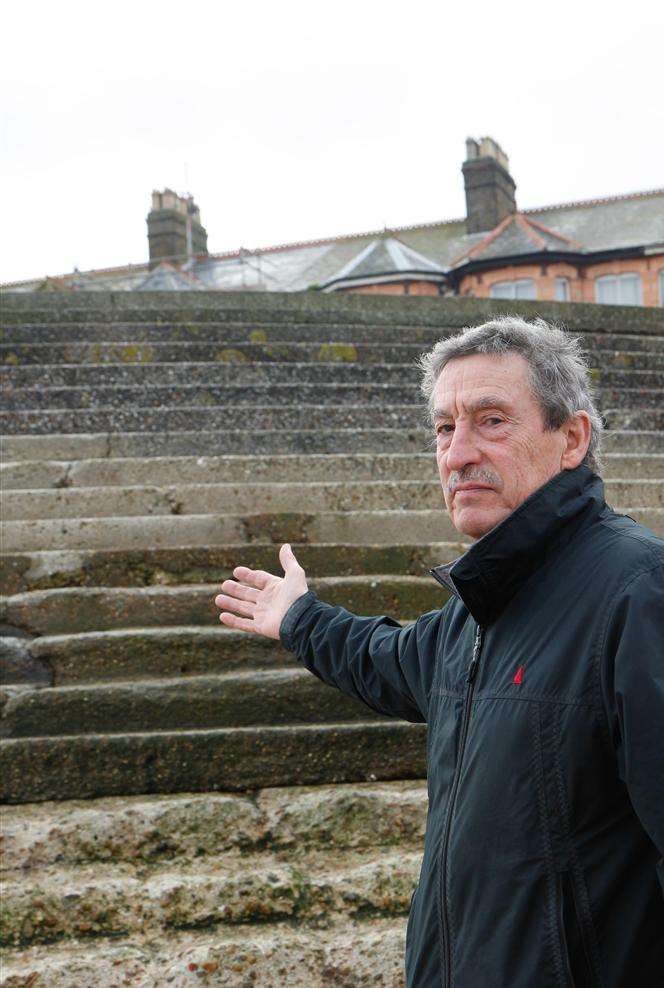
{"type": "Point", "coordinates": [292, 616]}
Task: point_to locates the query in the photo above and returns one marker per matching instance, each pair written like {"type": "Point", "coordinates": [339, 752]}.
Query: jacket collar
{"type": "Point", "coordinates": [494, 568]}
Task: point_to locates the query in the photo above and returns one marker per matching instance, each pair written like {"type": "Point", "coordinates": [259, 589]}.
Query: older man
{"type": "Point", "coordinates": [541, 682]}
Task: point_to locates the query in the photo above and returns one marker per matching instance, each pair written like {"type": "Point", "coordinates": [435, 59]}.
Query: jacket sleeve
{"type": "Point", "coordinates": [633, 687]}
{"type": "Point", "coordinates": [374, 659]}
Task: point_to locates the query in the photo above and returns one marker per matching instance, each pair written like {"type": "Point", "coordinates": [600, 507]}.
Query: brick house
{"type": "Point", "coordinates": [607, 250]}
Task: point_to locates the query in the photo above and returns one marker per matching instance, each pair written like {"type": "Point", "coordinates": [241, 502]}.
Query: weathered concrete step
{"type": "Point", "coordinates": [85, 766]}
{"type": "Point", "coordinates": [298, 308]}
{"type": "Point", "coordinates": [166, 350]}
{"type": "Point", "coordinates": [351, 953]}
{"type": "Point", "coordinates": [233, 699]}
{"type": "Point", "coordinates": [133, 471]}
{"type": "Point", "coordinates": [613, 366]}
{"type": "Point", "coordinates": [215, 396]}
{"type": "Point", "coordinates": [113, 899]}
{"type": "Point", "coordinates": [108, 656]}
{"type": "Point", "coordinates": [638, 386]}
{"type": "Point", "coordinates": [216, 469]}
{"type": "Point", "coordinates": [45, 570]}
{"type": "Point", "coordinates": [345, 528]}
{"type": "Point", "coordinates": [641, 410]}
{"type": "Point", "coordinates": [216, 353]}
{"type": "Point", "coordinates": [157, 829]}
{"type": "Point", "coordinates": [75, 609]}
{"type": "Point", "coordinates": [204, 499]}
{"type": "Point", "coordinates": [253, 417]}
{"type": "Point", "coordinates": [177, 375]}
{"type": "Point", "coordinates": [266, 443]}
{"type": "Point", "coordinates": [145, 532]}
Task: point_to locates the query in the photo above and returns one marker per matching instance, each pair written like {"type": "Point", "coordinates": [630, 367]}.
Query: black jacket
{"type": "Point", "coordinates": [542, 684]}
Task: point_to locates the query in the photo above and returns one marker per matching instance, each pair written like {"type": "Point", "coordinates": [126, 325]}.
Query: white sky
{"type": "Point", "coordinates": [299, 120]}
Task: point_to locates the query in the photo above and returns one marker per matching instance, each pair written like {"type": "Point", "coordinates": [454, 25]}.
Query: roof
{"type": "Point", "coordinates": [519, 234]}
{"type": "Point", "coordinates": [635, 220]}
{"type": "Point", "coordinates": [385, 258]}
{"type": "Point", "coordinates": [167, 278]}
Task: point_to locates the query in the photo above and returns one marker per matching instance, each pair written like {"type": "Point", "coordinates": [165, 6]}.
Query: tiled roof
{"type": "Point", "coordinates": [594, 225]}
{"type": "Point", "coordinates": [518, 234]}
{"type": "Point", "coordinates": [167, 278]}
{"type": "Point", "coordinates": [384, 257]}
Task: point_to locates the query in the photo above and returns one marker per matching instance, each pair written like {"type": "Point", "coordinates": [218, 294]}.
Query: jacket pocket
{"type": "Point", "coordinates": [575, 952]}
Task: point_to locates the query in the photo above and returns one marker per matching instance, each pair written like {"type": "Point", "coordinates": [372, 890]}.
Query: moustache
{"type": "Point", "coordinates": [471, 475]}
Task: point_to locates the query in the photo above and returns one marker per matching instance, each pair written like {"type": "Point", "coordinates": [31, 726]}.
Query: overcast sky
{"type": "Point", "coordinates": [298, 120]}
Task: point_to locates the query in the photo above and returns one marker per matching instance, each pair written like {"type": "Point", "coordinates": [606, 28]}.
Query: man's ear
{"type": "Point", "coordinates": [577, 438]}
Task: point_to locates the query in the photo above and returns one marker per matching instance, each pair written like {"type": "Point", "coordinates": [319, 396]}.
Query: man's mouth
{"type": "Point", "coordinates": [470, 489]}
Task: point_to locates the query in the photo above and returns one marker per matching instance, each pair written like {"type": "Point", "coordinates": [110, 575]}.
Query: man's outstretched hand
{"type": "Point", "coordinates": [257, 601]}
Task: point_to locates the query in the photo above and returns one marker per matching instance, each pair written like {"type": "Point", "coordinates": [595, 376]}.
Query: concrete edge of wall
{"type": "Point", "coordinates": [310, 307]}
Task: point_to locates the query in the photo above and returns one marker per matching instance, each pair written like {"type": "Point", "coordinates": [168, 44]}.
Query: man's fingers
{"type": "Point", "coordinates": [235, 606]}
{"type": "Point", "coordinates": [257, 578]}
{"type": "Point", "coordinates": [239, 623]}
{"type": "Point", "coordinates": [238, 590]}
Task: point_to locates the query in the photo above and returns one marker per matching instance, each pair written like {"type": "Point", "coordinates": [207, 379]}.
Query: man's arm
{"type": "Point", "coordinates": [372, 659]}
{"type": "Point", "coordinates": [633, 687]}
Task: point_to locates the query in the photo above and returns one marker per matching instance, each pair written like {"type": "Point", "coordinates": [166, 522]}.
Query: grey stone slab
{"type": "Point", "coordinates": [267, 442]}
{"type": "Point", "coordinates": [257, 308]}
{"type": "Point", "coordinates": [621, 410]}
{"type": "Point", "coordinates": [231, 759]}
{"type": "Point", "coordinates": [80, 609]}
{"type": "Point", "coordinates": [212, 396]}
{"type": "Point", "coordinates": [207, 499]}
{"type": "Point", "coordinates": [39, 474]}
{"type": "Point", "coordinates": [151, 566]}
{"type": "Point", "coordinates": [613, 367]}
{"type": "Point", "coordinates": [242, 699]}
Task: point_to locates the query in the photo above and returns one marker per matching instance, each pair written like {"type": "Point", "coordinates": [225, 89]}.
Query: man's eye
{"type": "Point", "coordinates": [445, 429]}
{"type": "Point", "coordinates": [493, 420]}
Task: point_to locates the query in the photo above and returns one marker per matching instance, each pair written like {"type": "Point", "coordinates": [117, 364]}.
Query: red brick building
{"type": "Point", "coordinates": [602, 250]}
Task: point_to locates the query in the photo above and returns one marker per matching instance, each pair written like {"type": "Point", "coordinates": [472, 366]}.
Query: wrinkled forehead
{"type": "Point", "coordinates": [485, 372]}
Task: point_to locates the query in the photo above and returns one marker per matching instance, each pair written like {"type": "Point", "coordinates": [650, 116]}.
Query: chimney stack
{"type": "Point", "coordinates": [175, 232]}
{"type": "Point", "coordinates": [489, 186]}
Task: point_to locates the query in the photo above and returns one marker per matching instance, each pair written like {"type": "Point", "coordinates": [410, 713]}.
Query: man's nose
{"type": "Point", "coordinates": [462, 449]}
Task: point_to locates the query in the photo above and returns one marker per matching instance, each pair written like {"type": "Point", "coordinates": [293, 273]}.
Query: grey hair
{"type": "Point", "coordinates": [560, 377]}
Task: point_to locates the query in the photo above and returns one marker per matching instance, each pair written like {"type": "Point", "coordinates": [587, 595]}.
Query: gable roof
{"type": "Point", "coordinates": [516, 235]}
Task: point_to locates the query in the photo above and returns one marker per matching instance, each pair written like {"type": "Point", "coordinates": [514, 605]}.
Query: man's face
{"type": "Point", "coordinates": [491, 446]}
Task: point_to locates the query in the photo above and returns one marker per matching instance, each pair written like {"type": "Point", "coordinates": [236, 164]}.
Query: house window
{"type": "Point", "coordinates": [619, 289]}
{"type": "Point", "coordinates": [561, 290]}
{"type": "Point", "coordinates": [522, 288]}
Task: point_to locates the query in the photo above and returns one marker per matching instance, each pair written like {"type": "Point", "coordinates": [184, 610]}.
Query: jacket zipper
{"type": "Point", "coordinates": [465, 721]}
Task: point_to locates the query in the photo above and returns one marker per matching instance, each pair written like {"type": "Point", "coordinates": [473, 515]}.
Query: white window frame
{"type": "Point", "coordinates": [616, 284]}
{"type": "Point", "coordinates": [514, 289]}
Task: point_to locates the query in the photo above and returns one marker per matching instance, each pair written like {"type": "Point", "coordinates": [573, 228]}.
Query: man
{"type": "Point", "coordinates": [541, 682]}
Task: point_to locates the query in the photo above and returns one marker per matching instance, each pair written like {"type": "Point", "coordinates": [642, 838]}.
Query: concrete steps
{"type": "Point", "coordinates": [48, 612]}
{"type": "Point", "coordinates": [616, 368]}
{"type": "Point", "coordinates": [351, 954]}
{"type": "Point", "coordinates": [150, 446]}
{"type": "Point", "coordinates": [127, 471]}
{"type": "Point", "coordinates": [84, 766]}
{"type": "Point", "coordinates": [638, 410]}
{"type": "Point", "coordinates": [153, 888]}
